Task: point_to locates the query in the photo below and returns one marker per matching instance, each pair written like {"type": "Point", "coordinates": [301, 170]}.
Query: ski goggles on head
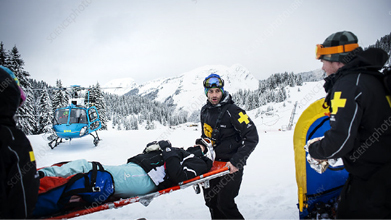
{"type": "Point", "coordinates": [213, 82]}
{"type": "Point", "coordinates": [22, 94]}
{"type": "Point", "coordinates": [321, 50]}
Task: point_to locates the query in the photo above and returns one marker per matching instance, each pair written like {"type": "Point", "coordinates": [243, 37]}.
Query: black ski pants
{"type": "Point", "coordinates": [367, 199]}
{"type": "Point", "coordinates": [220, 196]}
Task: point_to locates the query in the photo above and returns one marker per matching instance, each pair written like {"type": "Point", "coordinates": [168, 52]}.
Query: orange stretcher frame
{"type": "Point", "coordinates": [219, 169]}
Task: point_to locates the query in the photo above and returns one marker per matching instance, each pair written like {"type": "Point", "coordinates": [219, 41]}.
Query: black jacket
{"type": "Point", "coordinates": [18, 180]}
{"type": "Point", "coordinates": [238, 135]}
{"type": "Point", "coordinates": [167, 169]}
{"type": "Point", "coordinates": [360, 119]}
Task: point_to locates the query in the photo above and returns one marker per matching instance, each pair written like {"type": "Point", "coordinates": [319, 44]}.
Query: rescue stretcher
{"type": "Point", "coordinates": [218, 169]}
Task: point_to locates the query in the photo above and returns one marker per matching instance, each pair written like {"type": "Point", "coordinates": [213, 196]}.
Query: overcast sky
{"type": "Point", "coordinates": [86, 41]}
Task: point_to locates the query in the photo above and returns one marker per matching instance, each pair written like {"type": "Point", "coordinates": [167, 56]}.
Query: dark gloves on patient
{"type": "Point", "coordinates": [163, 145]}
{"type": "Point", "coordinates": [167, 151]}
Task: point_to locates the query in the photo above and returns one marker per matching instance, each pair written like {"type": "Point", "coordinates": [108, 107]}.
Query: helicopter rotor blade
{"type": "Point", "coordinates": [49, 89]}
{"type": "Point", "coordinates": [76, 87]}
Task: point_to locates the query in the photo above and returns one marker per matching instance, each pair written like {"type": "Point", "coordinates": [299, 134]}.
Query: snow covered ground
{"type": "Point", "coordinates": [268, 190]}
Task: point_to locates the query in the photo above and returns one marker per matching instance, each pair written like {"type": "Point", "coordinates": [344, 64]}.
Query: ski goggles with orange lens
{"type": "Point", "coordinates": [213, 82]}
{"type": "Point", "coordinates": [320, 50]}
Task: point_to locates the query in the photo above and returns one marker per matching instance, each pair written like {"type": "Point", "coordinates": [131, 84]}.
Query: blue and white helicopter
{"type": "Point", "coordinates": [78, 119]}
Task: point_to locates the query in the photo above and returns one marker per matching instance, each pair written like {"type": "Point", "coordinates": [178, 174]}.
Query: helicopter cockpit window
{"type": "Point", "coordinates": [61, 116]}
{"type": "Point", "coordinates": [78, 116]}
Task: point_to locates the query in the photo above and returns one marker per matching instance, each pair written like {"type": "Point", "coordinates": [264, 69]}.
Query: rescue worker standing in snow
{"type": "Point", "coordinates": [360, 122]}
{"type": "Point", "coordinates": [234, 137]}
{"type": "Point", "coordinates": [18, 175]}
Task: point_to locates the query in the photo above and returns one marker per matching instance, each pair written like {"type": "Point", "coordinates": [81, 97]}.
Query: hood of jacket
{"type": "Point", "coordinates": [368, 61]}
{"type": "Point", "coordinates": [9, 98]}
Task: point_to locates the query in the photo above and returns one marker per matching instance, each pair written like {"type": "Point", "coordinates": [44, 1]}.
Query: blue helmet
{"type": "Point", "coordinates": [213, 81]}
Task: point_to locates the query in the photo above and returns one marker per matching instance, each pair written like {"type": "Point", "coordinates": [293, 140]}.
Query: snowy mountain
{"type": "Point", "coordinates": [126, 85]}
{"type": "Point", "coordinates": [186, 92]}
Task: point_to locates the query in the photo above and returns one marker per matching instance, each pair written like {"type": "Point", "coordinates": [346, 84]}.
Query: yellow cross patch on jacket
{"type": "Point", "coordinates": [243, 118]}
{"type": "Point", "coordinates": [337, 102]}
{"type": "Point", "coordinates": [208, 130]}
{"type": "Point", "coordinates": [389, 99]}
{"type": "Point", "coordinates": [32, 157]}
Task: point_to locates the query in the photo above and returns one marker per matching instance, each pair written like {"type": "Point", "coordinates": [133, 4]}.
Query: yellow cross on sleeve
{"type": "Point", "coordinates": [243, 118]}
{"type": "Point", "coordinates": [389, 99]}
{"type": "Point", "coordinates": [337, 102]}
{"type": "Point", "coordinates": [32, 157]}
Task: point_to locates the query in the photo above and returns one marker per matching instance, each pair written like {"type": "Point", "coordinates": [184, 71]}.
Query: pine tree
{"type": "Point", "coordinates": [3, 55]}
{"type": "Point", "coordinates": [299, 80]}
{"type": "Point", "coordinates": [25, 119]}
{"type": "Point", "coordinates": [250, 102]}
{"type": "Point", "coordinates": [281, 95]}
{"type": "Point", "coordinates": [292, 80]}
{"type": "Point", "coordinates": [15, 63]}
{"type": "Point", "coordinates": [100, 105]}
{"type": "Point", "coordinates": [134, 123]}
{"type": "Point", "coordinates": [46, 111]}
{"type": "Point", "coordinates": [115, 120]}
{"type": "Point", "coordinates": [95, 98]}
{"type": "Point", "coordinates": [61, 97]}
{"type": "Point", "coordinates": [149, 125]}
{"type": "Point", "coordinates": [127, 124]}
{"type": "Point", "coordinates": [256, 100]}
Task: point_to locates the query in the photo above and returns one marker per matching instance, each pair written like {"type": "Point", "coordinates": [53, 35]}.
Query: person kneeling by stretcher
{"type": "Point", "coordinates": [159, 166]}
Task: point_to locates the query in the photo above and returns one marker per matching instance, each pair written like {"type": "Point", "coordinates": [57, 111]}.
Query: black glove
{"type": "Point", "coordinates": [167, 151]}
{"type": "Point", "coordinates": [199, 142]}
{"type": "Point", "coordinates": [41, 174]}
{"type": "Point", "coordinates": [165, 145]}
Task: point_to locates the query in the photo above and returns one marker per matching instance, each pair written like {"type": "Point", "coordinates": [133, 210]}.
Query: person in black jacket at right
{"type": "Point", "coordinates": [360, 122]}
{"type": "Point", "coordinates": [234, 137]}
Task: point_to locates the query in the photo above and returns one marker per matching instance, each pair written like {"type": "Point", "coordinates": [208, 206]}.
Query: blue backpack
{"type": "Point", "coordinates": [57, 195]}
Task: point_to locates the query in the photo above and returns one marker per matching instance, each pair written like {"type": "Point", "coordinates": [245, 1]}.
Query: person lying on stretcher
{"type": "Point", "coordinates": [160, 166]}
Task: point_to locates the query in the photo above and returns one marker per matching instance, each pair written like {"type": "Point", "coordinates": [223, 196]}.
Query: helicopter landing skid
{"type": "Point", "coordinates": [96, 138]}
{"type": "Point", "coordinates": [56, 142]}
